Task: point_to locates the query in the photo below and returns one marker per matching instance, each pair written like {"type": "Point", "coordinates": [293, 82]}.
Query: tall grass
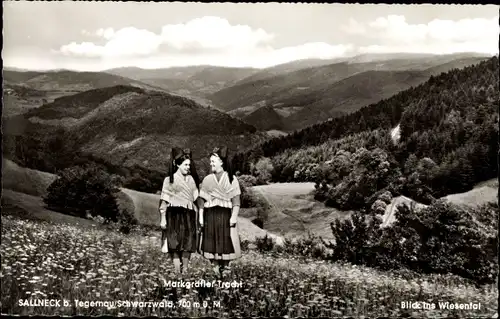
{"type": "Point", "coordinates": [41, 260]}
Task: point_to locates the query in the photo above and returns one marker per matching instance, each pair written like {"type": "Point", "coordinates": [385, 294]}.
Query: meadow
{"type": "Point", "coordinates": [41, 260]}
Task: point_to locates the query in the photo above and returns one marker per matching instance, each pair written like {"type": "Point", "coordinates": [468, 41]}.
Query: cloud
{"type": "Point", "coordinates": [353, 27]}
{"type": "Point", "coordinates": [105, 33]}
{"type": "Point", "coordinates": [214, 40]}
{"type": "Point", "coordinates": [202, 38]}
{"type": "Point", "coordinates": [394, 34]}
{"type": "Point", "coordinates": [214, 33]}
{"type": "Point", "coordinates": [210, 33]}
{"type": "Point", "coordinates": [124, 42]}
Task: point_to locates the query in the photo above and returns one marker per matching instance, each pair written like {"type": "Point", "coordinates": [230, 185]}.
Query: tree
{"type": "Point", "coordinates": [354, 238]}
{"type": "Point", "coordinates": [262, 170]}
{"type": "Point", "coordinates": [84, 190]}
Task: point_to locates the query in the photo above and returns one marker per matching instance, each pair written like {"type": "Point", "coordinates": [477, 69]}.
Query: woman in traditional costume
{"type": "Point", "coordinates": [219, 204]}
{"type": "Point", "coordinates": [178, 209]}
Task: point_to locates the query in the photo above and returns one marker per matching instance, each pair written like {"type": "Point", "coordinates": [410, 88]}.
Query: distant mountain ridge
{"type": "Point", "coordinates": [311, 95]}
{"type": "Point", "coordinates": [196, 81]}
{"type": "Point", "coordinates": [300, 92]}
{"type": "Point", "coordinates": [246, 93]}
{"type": "Point", "coordinates": [69, 81]}
{"type": "Point", "coordinates": [349, 95]}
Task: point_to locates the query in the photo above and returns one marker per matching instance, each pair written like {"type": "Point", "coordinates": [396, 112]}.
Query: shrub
{"type": "Point", "coordinates": [310, 246]}
{"type": "Point", "coordinates": [487, 215]}
{"type": "Point", "coordinates": [395, 248]}
{"type": "Point", "coordinates": [247, 180]}
{"type": "Point", "coordinates": [306, 172]}
{"type": "Point", "coordinates": [441, 238]}
{"type": "Point", "coordinates": [84, 191]}
{"type": "Point", "coordinates": [353, 238]}
{"type": "Point", "coordinates": [249, 199]}
{"type": "Point", "coordinates": [126, 221]}
{"type": "Point", "coordinates": [258, 222]}
{"type": "Point", "coordinates": [262, 170]}
{"type": "Point", "coordinates": [450, 241]}
{"type": "Point", "coordinates": [244, 244]}
{"type": "Point", "coordinates": [379, 207]}
{"type": "Point", "coordinates": [386, 197]}
{"type": "Point", "coordinates": [138, 183]}
{"type": "Point", "coordinates": [264, 244]}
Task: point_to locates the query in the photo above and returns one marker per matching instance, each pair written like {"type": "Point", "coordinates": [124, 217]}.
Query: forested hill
{"type": "Point", "coordinates": [123, 125]}
{"type": "Point", "coordinates": [462, 89]}
{"type": "Point", "coordinates": [448, 142]}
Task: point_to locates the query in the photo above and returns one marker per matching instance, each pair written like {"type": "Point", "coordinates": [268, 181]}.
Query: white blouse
{"type": "Point", "coordinates": [188, 189]}
{"type": "Point", "coordinates": [223, 187]}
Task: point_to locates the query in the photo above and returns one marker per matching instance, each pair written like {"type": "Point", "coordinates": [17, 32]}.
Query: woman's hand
{"type": "Point", "coordinates": [200, 217]}
{"type": "Point", "coordinates": [163, 222]}
{"type": "Point", "coordinates": [232, 221]}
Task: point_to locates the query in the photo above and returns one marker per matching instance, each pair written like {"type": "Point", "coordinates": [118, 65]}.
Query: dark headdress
{"type": "Point", "coordinates": [178, 156]}
{"type": "Point", "coordinates": [222, 153]}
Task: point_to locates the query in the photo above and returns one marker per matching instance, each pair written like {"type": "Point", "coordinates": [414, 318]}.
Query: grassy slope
{"type": "Point", "coordinates": [294, 212]}
{"type": "Point", "coordinates": [482, 193]}
{"type": "Point", "coordinates": [19, 99]}
{"type": "Point", "coordinates": [32, 208]}
{"type": "Point", "coordinates": [25, 180]}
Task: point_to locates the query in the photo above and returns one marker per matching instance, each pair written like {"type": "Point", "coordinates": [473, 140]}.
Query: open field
{"type": "Point", "coordinates": [483, 192]}
{"type": "Point", "coordinates": [294, 212]}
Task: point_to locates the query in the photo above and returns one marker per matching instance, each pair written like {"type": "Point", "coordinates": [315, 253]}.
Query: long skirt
{"type": "Point", "coordinates": [218, 240]}
{"type": "Point", "coordinates": [181, 229]}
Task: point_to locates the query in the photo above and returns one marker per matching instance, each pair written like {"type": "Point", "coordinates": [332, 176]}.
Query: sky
{"type": "Point", "coordinates": [93, 36]}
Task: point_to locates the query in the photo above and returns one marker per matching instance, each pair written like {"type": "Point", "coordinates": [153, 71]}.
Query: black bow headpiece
{"type": "Point", "coordinates": [178, 153]}
{"type": "Point", "coordinates": [222, 153]}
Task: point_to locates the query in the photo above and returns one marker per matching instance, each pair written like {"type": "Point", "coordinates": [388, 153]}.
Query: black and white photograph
{"type": "Point", "coordinates": [234, 160]}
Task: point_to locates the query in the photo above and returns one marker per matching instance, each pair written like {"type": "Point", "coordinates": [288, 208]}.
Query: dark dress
{"type": "Point", "coordinates": [177, 202]}
{"type": "Point", "coordinates": [216, 233]}
{"type": "Point", "coordinates": [180, 231]}
{"type": "Point", "coordinates": [219, 240]}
